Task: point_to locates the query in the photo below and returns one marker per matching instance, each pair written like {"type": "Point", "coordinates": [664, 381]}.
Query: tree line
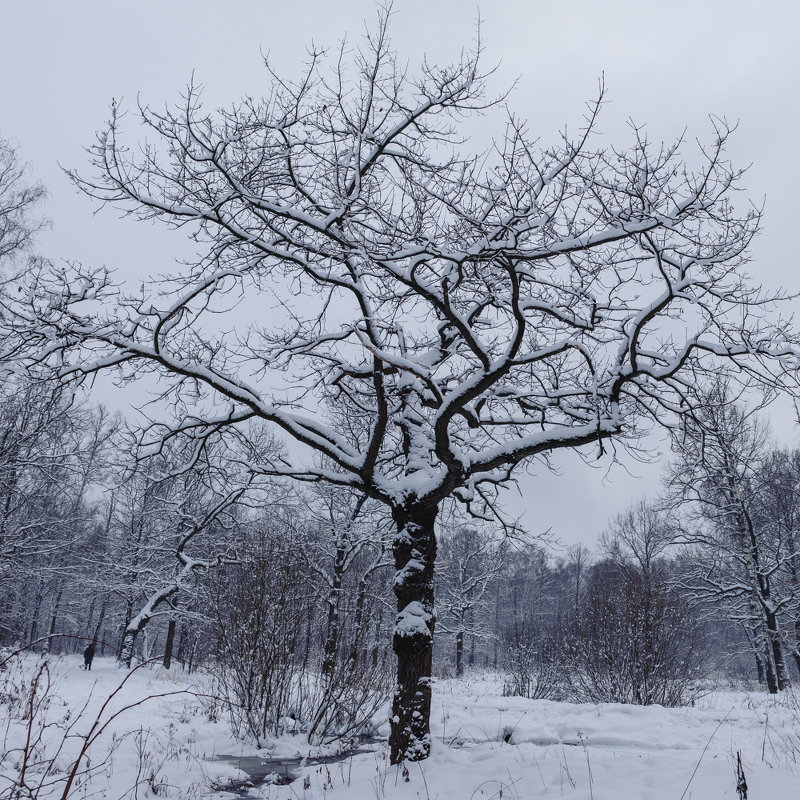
{"type": "Point", "coordinates": [286, 592]}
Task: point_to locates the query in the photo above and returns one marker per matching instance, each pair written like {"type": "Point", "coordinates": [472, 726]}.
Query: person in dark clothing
{"type": "Point", "coordinates": [88, 655]}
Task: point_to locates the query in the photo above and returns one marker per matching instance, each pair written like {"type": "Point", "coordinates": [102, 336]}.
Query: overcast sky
{"type": "Point", "coordinates": [668, 65]}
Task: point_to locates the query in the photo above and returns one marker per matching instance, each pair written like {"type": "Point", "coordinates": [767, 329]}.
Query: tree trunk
{"type": "Point", "coordinates": [796, 648]}
{"type": "Point", "coordinates": [35, 616]}
{"type": "Point", "coordinates": [88, 625]}
{"type": "Point", "coordinates": [414, 550]}
{"type": "Point", "coordinates": [460, 654]}
{"type": "Point", "coordinates": [54, 619]}
{"type": "Point", "coordinates": [762, 678]}
{"type": "Point", "coordinates": [377, 638]}
{"type": "Point", "coordinates": [125, 626]}
{"type": "Point", "coordinates": [168, 646]}
{"type": "Point", "coordinates": [781, 673]}
{"type": "Point", "coordinates": [99, 626]}
{"type": "Point", "coordinates": [333, 622]}
{"type": "Point", "coordinates": [126, 651]}
{"type": "Point", "coordinates": [472, 640]}
{"type": "Point", "coordinates": [360, 640]}
{"type": "Point", "coordinates": [769, 665]}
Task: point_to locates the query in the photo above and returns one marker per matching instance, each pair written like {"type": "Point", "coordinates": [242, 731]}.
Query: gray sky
{"type": "Point", "coordinates": [668, 65]}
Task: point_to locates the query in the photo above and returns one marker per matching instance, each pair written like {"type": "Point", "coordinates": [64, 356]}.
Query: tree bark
{"type": "Point", "coordinates": [182, 646]}
{"type": "Point", "coordinates": [781, 673]}
{"type": "Point", "coordinates": [414, 550]}
{"type": "Point", "coordinates": [796, 647]}
{"type": "Point", "coordinates": [99, 626]}
{"type": "Point", "coordinates": [333, 622]}
{"type": "Point", "coordinates": [54, 619]}
{"type": "Point", "coordinates": [126, 651]}
{"type": "Point", "coordinates": [376, 639]}
{"type": "Point", "coordinates": [769, 664]}
{"type": "Point", "coordinates": [168, 646]}
{"type": "Point", "coordinates": [35, 616]}
{"type": "Point", "coordinates": [762, 678]}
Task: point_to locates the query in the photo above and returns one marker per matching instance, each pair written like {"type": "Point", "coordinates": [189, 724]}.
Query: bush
{"type": "Point", "coordinates": [633, 640]}
{"type": "Point", "coordinates": [270, 634]}
{"type": "Point", "coordinates": [535, 665]}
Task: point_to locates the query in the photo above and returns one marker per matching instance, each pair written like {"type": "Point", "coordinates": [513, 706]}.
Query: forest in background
{"type": "Point", "coordinates": [284, 592]}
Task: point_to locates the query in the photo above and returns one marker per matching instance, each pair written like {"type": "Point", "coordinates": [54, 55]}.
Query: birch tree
{"type": "Point", "coordinates": [474, 312]}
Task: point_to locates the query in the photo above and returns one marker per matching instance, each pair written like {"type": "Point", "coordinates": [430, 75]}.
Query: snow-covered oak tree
{"type": "Point", "coordinates": [426, 319]}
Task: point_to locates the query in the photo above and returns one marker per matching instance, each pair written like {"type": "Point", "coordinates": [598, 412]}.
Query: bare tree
{"type": "Point", "coordinates": [469, 561]}
{"type": "Point", "coordinates": [51, 449]}
{"type": "Point", "coordinates": [781, 500]}
{"type": "Point", "coordinates": [18, 197]}
{"type": "Point", "coordinates": [173, 521]}
{"type": "Point", "coordinates": [576, 565]}
{"type": "Point", "coordinates": [532, 612]}
{"type": "Point", "coordinates": [722, 482]}
{"type": "Point", "coordinates": [473, 311]}
{"type": "Point", "coordinates": [348, 537]}
{"type": "Point", "coordinates": [640, 535]}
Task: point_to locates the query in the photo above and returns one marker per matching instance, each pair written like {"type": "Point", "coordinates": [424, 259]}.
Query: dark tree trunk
{"type": "Point", "coordinates": [496, 635]}
{"type": "Point", "coordinates": [414, 551]}
{"type": "Point", "coordinates": [459, 654]}
{"type": "Point", "coordinates": [377, 637]}
{"type": "Point", "coordinates": [762, 679]}
{"type": "Point", "coordinates": [126, 625]}
{"type": "Point", "coordinates": [359, 642]}
{"type": "Point", "coordinates": [472, 641]}
{"type": "Point", "coordinates": [168, 646]}
{"type": "Point", "coordinates": [54, 619]}
{"type": "Point", "coordinates": [182, 647]}
{"type": "Point", "coordinates": [99, 626]}
{"type": "Point", "coordinates": [35, 618]}
{"type": "Point", "coordinates": [781, 674]}
{"type": "Point", "coordinates": [88, 625]}
{"type": "Point", "coordinates": [306, 643]}
{"type": "Point", "coordinates": [769, 670]}
{"type": "Point", "coordinates": [796, 648]}
{"type": "Point", "coordinates": [333, 621]}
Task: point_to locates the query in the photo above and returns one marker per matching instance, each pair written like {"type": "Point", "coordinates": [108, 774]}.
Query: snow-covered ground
{"type": "Point", "coordinates": [486, 745]}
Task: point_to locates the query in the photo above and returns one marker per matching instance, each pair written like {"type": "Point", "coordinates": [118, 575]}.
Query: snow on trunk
{"type": "Point", "coordinates": [414, 550]}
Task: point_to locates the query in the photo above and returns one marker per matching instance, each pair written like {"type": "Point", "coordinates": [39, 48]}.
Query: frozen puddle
{"type": "Point", "coordinates": [259, 771]}
{"type": "Point", "coordinates": [263, 770]}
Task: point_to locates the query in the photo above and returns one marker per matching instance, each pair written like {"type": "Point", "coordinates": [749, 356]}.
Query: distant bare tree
{"type": "Point", "coordinates": [51, 450]}
{"type": "Point", "coordinates": [473, 311]}
{"type": "Point", "coordinates": [781, 501]}
{"type": "Point", "coordinates": [721, 480]}
{"type": "Point", "coordinates": [640, 535]}
{"type": "Point", "coordinates": [470, 559]}
{"type": "Point", "coordinates": [172, 524]}
{"type": "Point", "coordinates": [18, 198]}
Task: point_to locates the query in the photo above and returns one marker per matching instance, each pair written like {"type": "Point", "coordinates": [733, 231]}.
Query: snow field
{"type": "Point", "coordinates": [163, 730]}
